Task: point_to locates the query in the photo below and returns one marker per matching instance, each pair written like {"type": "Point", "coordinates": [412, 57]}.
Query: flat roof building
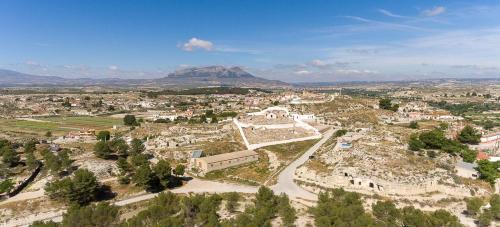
{"type": "Point", "coordinates": [222, 161]}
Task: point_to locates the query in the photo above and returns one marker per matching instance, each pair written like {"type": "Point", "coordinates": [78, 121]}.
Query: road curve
{"type": "Point", "coordinates": [193, 186]}
{"type": "Point", "coordinates": [285, 179]}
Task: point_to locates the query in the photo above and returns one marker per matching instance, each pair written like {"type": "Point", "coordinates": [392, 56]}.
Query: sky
{"type": "Point", "coordinates": [288, 40]}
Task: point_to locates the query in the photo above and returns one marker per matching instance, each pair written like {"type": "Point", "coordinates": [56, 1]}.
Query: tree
{"type": "Point", "coordinates": [469, 155]}
{"type": "Point", "coordinates": [48, 134]}
{"type": "Point", "coordinates": [387, 212]}
{"type": "Point", "coordinates": [489, 124]}
{"type": "Point", "coordinates": [488, 171]}
{"type": "Point", "coordinates": [469, 135]}
{"type": "Point", "coordinates": [163, 171]}
{"type": "Point", "coordinates": [30, 146]}
{"type": "Point", "coordinates": [103, 136]}
{"type": "Point", "coordinates": [130, 120]}
{"type": "Point", "coordinates": [232, 201]}
{"type": "Point", "coordinates": [85, 187]}
{"type": "Point", "coordinates": [385, 104]}
{"type": "Point", "coordinates": [137, 146]}
{"type": "Point", "coordinates": [64, 159]}
{"type": "Point", "coordinates": [119, 146]}
{"type": "Point", "coordinates": [81, 189]}
{"type": "Point", "coordinates": [101, 214]}
{"type": "Point", "coordinates": [413, 125]}
{"type": "Point", "coordinates": [102, 150]}
{"type": "Point", "coordinates": [6, 186]}
{"type": "Point", "coordinates": [414, 143]}
{"type": "Point", "coordinates": [123, 166]}
{"type": "Point", "coordinates": [286, 211]}
{"type": "Point", "coordinates": [179, 170]}
{"type": "Point", "coordinates": [138, 160]}
{"type": "Point", "coordinates": [52, 162]}
{"type": "Point", "coordinates": [433, 139]}
{"type": "Point", "coordinates": [144, 177]}
{"type": "Point", "coordinates": [10, 156]}
{"type": "Point", "coordinates": [31, 161]}
{"type": "Point", "coordinates": [340, 208]}
{"type": "Point", "coordinates": [443, 126]}
{"type": "Point", "coordinates": [340, 132]}
{"type": "Point", "coordinates": [443, 218]}
{"type": "Point", "coordinates": [474, 205]}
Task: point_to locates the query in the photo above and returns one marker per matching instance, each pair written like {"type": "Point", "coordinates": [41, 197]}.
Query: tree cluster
{"type": "Point", "coordinates": [9, 155]}
{"type": "Point", "coordinates": [130, 120]}
{"type": "Point", "coordinates": [118, 147]}
{"type": "Point", "coordinates": [436, 139]}
{"type": "Point", "coordinates": [101, 214]}
{"type": "Point", "coordinates": [386, 104]}
{"type": "Point", "coordinates": [57, 164]}
{"type": "Point", "coordinates": [82, 188]}
{"type": "Point", "coordinates": [484, 216]}
{"type": "Point", "coordinates": [469, 135]}
{"type": "Point", "coordinates": [341, 208]}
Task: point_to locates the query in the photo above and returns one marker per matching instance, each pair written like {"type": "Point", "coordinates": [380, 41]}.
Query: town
{"type": "Point", "coordinates": [413, 147]}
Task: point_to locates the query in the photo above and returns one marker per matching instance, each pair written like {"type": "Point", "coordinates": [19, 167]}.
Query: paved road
{"type": "Point", "coordinates": [285, 185]}
{"type": "Point", "coordinates": [285, 179]}
{"type": "Point", "coordinates": [193, 186]}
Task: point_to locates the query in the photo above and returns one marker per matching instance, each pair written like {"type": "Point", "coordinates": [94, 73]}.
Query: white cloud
{"type": "Point", "coordinates": [356, 72]}
{"type": "Point", "coordinates": [195, 43]}
{"type": "Point", "coordinates": [390, 14]}
{"type": "Point", "coordinates": [303, 72]}
{"type": "Point", "coordinates": [113, 67]}
{"type": "Point", "coordinates": [434, 11]}
{"type": "Point", "coordinates": [32, 63]}
{"type": "Point", "coordinates": [318, 63]}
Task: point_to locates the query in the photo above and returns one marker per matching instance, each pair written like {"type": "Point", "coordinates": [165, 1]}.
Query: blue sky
{"type": "Point", "coordinates": [287, 40]}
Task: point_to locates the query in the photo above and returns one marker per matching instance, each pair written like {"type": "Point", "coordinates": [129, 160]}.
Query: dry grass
{"type": "Point", "coordinates": [252, 173]}
{"type": "Point", "coordinates": [289, 151]}
{"type": "Point", "coordinates": [123, 190]}
{"type": "Point", "coordinates": [317, 165]}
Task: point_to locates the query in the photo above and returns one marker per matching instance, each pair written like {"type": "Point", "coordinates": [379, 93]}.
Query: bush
{"type": "Point", "coordinates": [469, 135]}
{"type": "Point", "coordinates": [413, 125]}
{"type": "Point", "coordinates": [414, 144]}
{"type": "Point", "coordinates": [130, 120]}
{"type": "Point", "coordinates": [340, 132]}
{"type": "Point", "coordinates": [473, 205]}
{"type": "Point", "coordinates": [431, 154]}
{"type": "Point", "coordinates": [102, 150]}
{"type": "Point", "coordinates": [6, 186]}
{"type": "Point", "coordinates": [103, 136]}
{"type": "Point", "coordinates": [433, 139]}
{"type": "Point", "coordinates": [232, 201]}
{"type": "Point", "coordinates": [488, 170]}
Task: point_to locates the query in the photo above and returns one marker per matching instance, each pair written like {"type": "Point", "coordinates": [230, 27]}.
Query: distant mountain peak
{"type": "Point", "coordinates": [211, 72]}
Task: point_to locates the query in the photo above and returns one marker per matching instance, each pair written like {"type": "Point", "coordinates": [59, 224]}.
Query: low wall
{"type": "Point", "coordinates": [26, 181]}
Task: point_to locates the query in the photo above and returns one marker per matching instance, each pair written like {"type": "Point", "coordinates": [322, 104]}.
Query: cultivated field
{"type": "Point", "coordinates": [57, 125]}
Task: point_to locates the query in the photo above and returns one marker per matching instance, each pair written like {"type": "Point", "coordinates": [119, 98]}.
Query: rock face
{"type": "Point", "coordinates": [211, 72]}
{"type": "Point", "coordinates": [218, 75]}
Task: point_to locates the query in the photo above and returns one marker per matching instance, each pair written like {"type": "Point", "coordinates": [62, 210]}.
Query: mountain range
{"type": "Point", "coordinates": [186, 77]}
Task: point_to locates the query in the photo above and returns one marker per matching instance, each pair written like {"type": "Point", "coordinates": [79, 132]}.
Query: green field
{"type": "Point", "coordinates": [57, 125]}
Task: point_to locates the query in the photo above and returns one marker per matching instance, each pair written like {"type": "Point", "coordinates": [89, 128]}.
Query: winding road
{"type": "Point", "coordinates": [285, 185]}
{"type": "Point", "coordinates": [285, 179]}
